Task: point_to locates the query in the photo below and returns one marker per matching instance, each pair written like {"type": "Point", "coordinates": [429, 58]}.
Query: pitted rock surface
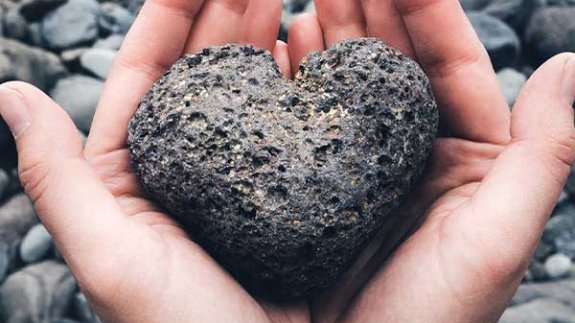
{"type": "Point", "coordinates": [284, 182]}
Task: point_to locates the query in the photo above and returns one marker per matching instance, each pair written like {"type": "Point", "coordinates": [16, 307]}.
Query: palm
{"type": "Point", "coordinates": [156, 266]}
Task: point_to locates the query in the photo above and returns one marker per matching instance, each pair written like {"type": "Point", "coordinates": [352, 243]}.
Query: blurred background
{"type": "Point", "coordinates": [66, 48]}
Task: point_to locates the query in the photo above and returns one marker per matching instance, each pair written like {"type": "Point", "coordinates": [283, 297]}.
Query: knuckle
{"type": "Point", "coordinates": [35, 178]}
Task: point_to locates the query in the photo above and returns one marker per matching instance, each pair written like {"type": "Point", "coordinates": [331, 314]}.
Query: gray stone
{"type": "Point", "coordinates": [83, 309]}
{"type": "Point", "coordinates": [36, 294]}
{"type": "Point", "coordinates": [81, 108]}
{"type": "Point", "coordinates": [4, 182]}
{"type": "Point", "coordinates": [284, 182]}
{"type": "Point", "coordinates": [36, 244]}
{"type": "Point", "coordinates": [5, 260]}
{"type": "Point", "coordinates": [499, 39]}
{"type": "Point", "coordinates": [17, 216]}
{"type": "Point", "coordinates": [33, 65]}
{"type": "Point", "coordinates": [34, 10]}
{"type": "Point", "coordinates": [512, 82]}
{"type": "Point", "coordinates": [558, 266]}
{"type": "Point", "coordinates": [550, 32]}
{"type": "Point", "coordinates": [72, 56]}
{"type": "Point", "coordinates": [537, 272]}
{"type": "Point", "coordinates": [560, 231]}
{"type": "Point", "coordinates": [73, 24]}
{"type": "Point", "coordinates": [516, 13]}
{"type": "Point", "coordinates": [539, 311]}
{"type": "Point", "coordinates": [35, 35]}
{"type": "Point", "coordinates": [133, 6]}
{"type": "Point", "coordinates": [15, 26]}
{"type": "Point", "coordinates": [98, 61]}
{"type": "Point", "coordinates": [562, 291]}
{"type": "Point", "coordinates": [113, 42]}
{"type": "Point", "coordinates": [473, 5]}
{"type": "Point", "coordinates": [115, 19]}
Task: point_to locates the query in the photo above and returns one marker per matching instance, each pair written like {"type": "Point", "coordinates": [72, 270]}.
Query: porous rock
{"type": "Point", "coordinates": [284, 182]}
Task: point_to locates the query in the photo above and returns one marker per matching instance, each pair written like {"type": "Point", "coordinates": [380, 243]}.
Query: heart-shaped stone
{"type": "Point", "coordinates": [284, 182]}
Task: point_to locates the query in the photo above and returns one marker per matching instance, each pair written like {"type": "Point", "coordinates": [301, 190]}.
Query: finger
{"type": "Point", "coordinates": [340, 20]}
{"type": "Point", "coordinates": [154, 43]}
{"type": "Point", "coordinates": [67, 194]}
{"type": "Point", "coordinates": [384, 22]}
{"type": "Point", "coordinates": [261, 23]}
{"type": "Point", "coordinates": [516, 198]}
{"type": "Point", "coordinates": [219, 23]}
{"type": "Point", "coordinates": [304, 37]}
{"type": "Point", "coordinates": [463, 80]}
{"type": "Point", "coordinates": [281, 56]}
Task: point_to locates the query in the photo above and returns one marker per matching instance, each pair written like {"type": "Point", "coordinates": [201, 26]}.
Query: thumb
{"type": "Point", "coordinates": [514, 201]}
{"type": "Point", "coordinates": [82, 216]}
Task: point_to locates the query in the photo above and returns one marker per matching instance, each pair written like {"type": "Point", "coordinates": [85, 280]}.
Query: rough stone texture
{"type": "Point", "coordinates": [284, 182]}
{"type": "Point", "coordinates": [551, 31]}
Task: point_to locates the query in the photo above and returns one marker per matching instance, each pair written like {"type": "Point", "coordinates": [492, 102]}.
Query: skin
{"type": "Point", "coordinates": [491, 183]}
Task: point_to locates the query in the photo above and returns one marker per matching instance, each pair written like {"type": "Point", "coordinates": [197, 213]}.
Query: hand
{"type": "Point", "coordinates": [133, 262]}
{"type": "Point", "coordinates": [492, 181]}
{"type": "Point", "coordinates": [136, 265]}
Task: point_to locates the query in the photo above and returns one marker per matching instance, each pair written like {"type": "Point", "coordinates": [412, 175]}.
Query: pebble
{"type": "Point", "coordinates": [72, 24]}
{"type": "Point", "coordinates": [98, 61]}
{"type": "Point", "coordinates": [115, 19]}
{"type": "Point", "coordinates": [473, 5]}
{"type": "Point", "coordinates": [37, 294]}
{"type": "Point", "coordinates": [113, 42]}
{"type": "Point", "coordinates": [558, 266]}
{"type": "Point", "coordinates": [15, 26]}
{"type": "Point", "coordinates": [84, 310]}
{"type": "Point", "coordinates": [539, 311]}
{"type": "Point", "coordinates": [5, 260]}
{"type": "Point", "coordinates": [516, 13]}
{"type": "Point", "coordinates": [21, 62]}
{"type": "Point", "coordinates": [512, 82]}
{"type": "Point", "coordinates": [560, 231]}
{"type": "Point", "coordinates": [551, 31]}
{"type": "Point", "coordinates": [81, 108]}
{"type": "Point", "coordinates": [36, 244]}
{"type": "Point", "coordinates": [563, 291]}
{"type": "Point", "coordinates": [34, 10]}
{"type": "Point", "coordinates": [499, 39]}
{"type": "Point", "coordinates": [4, 182]}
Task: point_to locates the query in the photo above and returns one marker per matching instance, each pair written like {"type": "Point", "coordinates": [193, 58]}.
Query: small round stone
{"type": "Point", "coordinates": [284, 182]}
{"type": "Point", "coordinates": [36, 244]}
{"type": "Point", "coordinates": [558, 265]}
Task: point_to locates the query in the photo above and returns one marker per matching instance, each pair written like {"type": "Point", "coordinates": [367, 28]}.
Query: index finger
{"type": "Point", "coordinates": [464, 82]}
{"type": "Point", "coordinates": [156, 40]}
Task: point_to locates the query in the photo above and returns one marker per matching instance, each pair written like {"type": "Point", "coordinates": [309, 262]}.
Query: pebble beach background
{"type": "Point", "coordinates": [66, 48]}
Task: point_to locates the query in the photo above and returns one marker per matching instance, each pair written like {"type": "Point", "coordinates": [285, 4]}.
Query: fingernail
{"type": "Point", "coordinates": [14, 111]}
{"type": "Point", "coordinates": [569, 81]}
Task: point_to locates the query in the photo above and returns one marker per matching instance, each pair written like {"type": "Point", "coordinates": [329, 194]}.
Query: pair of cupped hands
{"type": "Point", "coordinates": [491, 183]}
